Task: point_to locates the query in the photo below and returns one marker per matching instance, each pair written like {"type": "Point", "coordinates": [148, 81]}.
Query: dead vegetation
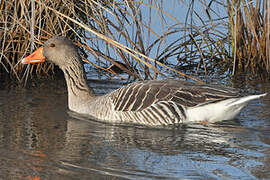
{"type": "Point", "coordinates": [250, 36]}
{"type": "Point", "coordinates": [111, 31]}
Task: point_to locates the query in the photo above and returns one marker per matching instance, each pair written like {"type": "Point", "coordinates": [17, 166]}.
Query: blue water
{"type": "Point", "coordinates": [41, 139]}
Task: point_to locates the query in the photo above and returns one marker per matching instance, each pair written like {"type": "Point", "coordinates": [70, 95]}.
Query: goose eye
{"type": "Point", "coordinates": [52, 45]}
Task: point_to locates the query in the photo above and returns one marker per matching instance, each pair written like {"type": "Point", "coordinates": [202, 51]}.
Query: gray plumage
{"type": "Point", "coordinates": [155, 102]}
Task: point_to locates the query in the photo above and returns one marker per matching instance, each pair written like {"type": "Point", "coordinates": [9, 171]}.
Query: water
{"type": "Point", "coordinates": [41, 139]}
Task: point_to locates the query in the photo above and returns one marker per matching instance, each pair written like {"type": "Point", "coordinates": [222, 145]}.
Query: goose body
{"type": "Point", "coordinates": [153, 103]}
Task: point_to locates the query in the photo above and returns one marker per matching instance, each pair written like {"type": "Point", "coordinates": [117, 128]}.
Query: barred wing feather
{"type": "Point", "coordinates": [141, 95]}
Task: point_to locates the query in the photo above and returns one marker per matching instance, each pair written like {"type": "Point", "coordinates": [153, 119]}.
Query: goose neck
{"type": "Point", "coordinates": [78, 89]}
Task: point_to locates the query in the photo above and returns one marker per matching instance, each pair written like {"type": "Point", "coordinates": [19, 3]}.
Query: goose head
{"type": "Point", "coordinates": [58, 50]}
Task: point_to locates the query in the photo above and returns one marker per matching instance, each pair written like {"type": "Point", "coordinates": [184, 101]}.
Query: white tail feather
{"type": "Point", "coordinates": [246, 99]}
{"type": "Point", "coordinates": [223, 110]}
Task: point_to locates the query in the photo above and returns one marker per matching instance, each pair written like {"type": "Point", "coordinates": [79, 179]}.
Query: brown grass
{"type": "Point", "coordinates": [25, 26]}
{"type": "Point", "coordinates": [111, 31]}
{"type": "Point", "coordinates": [249, 30]}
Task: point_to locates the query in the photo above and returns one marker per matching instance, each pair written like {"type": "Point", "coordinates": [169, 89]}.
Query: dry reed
{"type": "Point", "coordinates": [249, 32]}
{"type": "Point", "coordinates": [111, 31]}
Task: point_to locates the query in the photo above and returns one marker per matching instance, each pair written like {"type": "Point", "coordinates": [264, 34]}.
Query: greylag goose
{"type": "Point", "coordinates": [152, 102]}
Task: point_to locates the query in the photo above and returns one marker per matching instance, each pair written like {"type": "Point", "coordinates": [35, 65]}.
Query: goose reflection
{"type": "Point", "coordinates": [121, 150]}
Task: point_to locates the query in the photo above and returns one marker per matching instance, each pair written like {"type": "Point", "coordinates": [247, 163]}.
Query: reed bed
{"type": "Point", "coordinates": [249, 24]}
{"type": "Point", "coordinates": [108, 32]}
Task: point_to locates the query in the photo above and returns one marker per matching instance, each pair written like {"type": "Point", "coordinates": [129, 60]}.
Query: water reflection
{"type": "Point", "coordinates": [129, 152]}
{"type": "Point", "coordinates": [41, 140]}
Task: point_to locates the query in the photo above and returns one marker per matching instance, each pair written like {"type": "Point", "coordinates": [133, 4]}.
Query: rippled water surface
{"type": "Point", "coordinates": [41, 139]}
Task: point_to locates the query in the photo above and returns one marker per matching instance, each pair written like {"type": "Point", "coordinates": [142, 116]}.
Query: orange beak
{"type": "Point", "coordinates": [35, 57]}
